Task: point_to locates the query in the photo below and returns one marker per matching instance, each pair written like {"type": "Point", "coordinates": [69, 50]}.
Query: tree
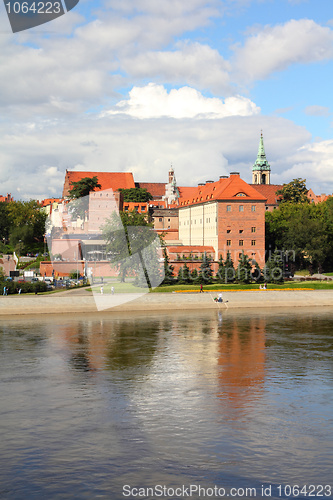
{"type": "Point", "coordinates": [79, 193]}
{"type": "Point", "coordinates": [206, 273]}
{"type": "Point", "coordinates": [184, 275]}
{"type": "Point", "coordinates": [273, 270]}
{"type": "Point", "coordinates": [220, 274]}
{"type": "Point", "coordinates": [168, 269]}
{"type": "Point", "coordinates": [83, 187]}
{"type": "Point", "coordinates": [140, 195]}
{"type": "Point", "coordinates": [294, 192]}
{"type": "Point", "coordinates": [244, 269]}
{"type": "Point", "coordinates": [26, 224]}
{"type": "Point", "coordinates": [229, 270]}
{"type": "Point", "coordinates": [132, 244]}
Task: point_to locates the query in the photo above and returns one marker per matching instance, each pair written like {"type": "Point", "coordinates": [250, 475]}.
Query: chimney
{"type": "Point", "coordinates": [224, 177]}
{"type": "Point", "coordinates": [234, 173]}
{"type": "Point", "coordinates": [209, 182]}
{"type": "Point", "coordinates": [201, 184]}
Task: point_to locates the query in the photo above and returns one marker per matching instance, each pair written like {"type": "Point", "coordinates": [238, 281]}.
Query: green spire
{"type": "Point", "coordinates": [261, 161]}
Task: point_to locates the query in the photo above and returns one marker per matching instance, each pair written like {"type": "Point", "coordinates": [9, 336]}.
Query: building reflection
{"type": "Point", "coordinates": [218, 351]}
{"type": "Point", "coordinates": [241, 361]}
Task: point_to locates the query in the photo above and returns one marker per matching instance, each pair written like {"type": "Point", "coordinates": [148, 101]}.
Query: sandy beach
{"type": "Point", "coordinates": [81, 301]}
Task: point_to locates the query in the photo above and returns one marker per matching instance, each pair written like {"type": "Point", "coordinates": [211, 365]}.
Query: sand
{"type": "Point", "coordinates": [81, 301]}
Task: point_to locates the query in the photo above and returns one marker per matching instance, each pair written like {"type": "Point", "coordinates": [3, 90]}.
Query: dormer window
{"type": "Point", "coordinates": [241, 194]}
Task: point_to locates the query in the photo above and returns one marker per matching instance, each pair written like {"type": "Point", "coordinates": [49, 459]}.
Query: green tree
{"type": "Point", "coordinates": [294, 192]}
{"type": "Point", "coordinates": [220, 274]}
{"type": "Point", "coordinates": [229, 270]}
{"type": "Point", "coordinates": [140, 195]}
{"type": "Point", "coordinates": [83, 187]}
{"type": "Point", "coordinates": [244, 269]}
{"type": "Point", "coordinates": [206, 273]}
{"type": "Point", "coordinates": [168, 269]}
{"type": "Point", "coordinates": [184, 275]}
{"type": "Point", "coordinates": [273, 270]}
{"type": "Point", "coordinates": [26, 224]}
{"type": "Point", "coordinates": [194, 276]}
{"type": "Point", "coordinates": [79, 193]}
{"type": "Point", "coordinates": [129, 237]}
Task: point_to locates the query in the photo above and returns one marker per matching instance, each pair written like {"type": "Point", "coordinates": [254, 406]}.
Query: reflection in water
{"type": "Point", "coordinates": [89, 405]}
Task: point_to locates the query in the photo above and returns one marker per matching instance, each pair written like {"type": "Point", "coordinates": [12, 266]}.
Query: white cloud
{"type": "Point", "coordinates": [275, 48]}
{"type": "Point", "coordinates": [196, 64]}
{"type": "Point", "coordinates": [316, 110]}
{"type": "Point", "coordinates": [153, 101]}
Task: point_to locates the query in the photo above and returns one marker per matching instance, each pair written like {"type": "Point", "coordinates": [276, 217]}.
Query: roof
{"type": "Point", "coordinates": [49, 201]}
{"type": "Point", "coordinates": [190, 249]}
{"type": "Point", "coordinates": [108, 180]}
{"type": "Point", "coordinates": [156, 189]}
{"type": "Point", "coordinates": [230, 188]}
{"type": "Point", "coordinates": [269, 192]}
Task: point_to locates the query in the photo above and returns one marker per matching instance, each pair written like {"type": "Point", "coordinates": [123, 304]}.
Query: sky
{"type": "Point", "coordinates": [139, 85]}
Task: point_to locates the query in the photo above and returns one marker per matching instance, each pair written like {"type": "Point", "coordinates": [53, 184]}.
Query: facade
{"type": "Point", "coordinates": [228, 215]}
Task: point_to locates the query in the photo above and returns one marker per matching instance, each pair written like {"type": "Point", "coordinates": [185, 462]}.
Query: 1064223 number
{"type": "Point", "coordinates": [311, 490]}
{"type": "Point", "coordinates": [34, 8]}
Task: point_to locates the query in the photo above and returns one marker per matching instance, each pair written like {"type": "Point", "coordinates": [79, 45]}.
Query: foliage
{"type": "Point", "coordinates": [184, 274]}
{"type": "Point", "coordinates": [74, 274]}
{"type": "Point", "coordinates": [273, 270]}
{"type": "Point", "coordinates": [229, 270]}
{"type": "Point", "coordinates": [305, 229]}
{"type": "Point", "coordinates": [140, 195]}
{"type": "Point", "coordinates": [168, 269]}
{"type": "Point", "coordinates": [294, 192]}
{"type": "Point", "coordinates": [220, 274]}
{"type": "Point", "coordinates": [129, 237]}
{"type": "Point", "coordinates": [206, 273]}
{"type": "Point", "coordinates": [83, 187]}
{"type": "Point", "coordinates": [244, 269]}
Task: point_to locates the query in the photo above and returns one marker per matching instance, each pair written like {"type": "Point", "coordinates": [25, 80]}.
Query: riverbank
{"type": "Point", "coordinates": [81, 301]}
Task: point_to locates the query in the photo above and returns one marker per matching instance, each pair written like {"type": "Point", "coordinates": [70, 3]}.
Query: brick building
{"type": "Point", "coordinates": [228, 215]}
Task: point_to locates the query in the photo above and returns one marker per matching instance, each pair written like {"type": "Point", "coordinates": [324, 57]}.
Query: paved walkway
{"type": "Point", "coordinates": [82, 301]}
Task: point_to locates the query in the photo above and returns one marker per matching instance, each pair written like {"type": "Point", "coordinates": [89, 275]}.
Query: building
{"type": "Point", "coordinates": [228, 215]}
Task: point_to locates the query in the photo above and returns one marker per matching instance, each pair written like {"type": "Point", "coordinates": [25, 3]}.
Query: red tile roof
{"type": "Point", "coordinates": [108, 180]}
{"type": "Point", "coordinates": [156, 189]}
{"type": "Point", "coordinates": [229, 188]}
{"type": "Point", "coordinates": [269, 192]}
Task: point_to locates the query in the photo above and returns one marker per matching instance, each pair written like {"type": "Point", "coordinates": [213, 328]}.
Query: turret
{"type": "Point", "coordinates": [261, 170]}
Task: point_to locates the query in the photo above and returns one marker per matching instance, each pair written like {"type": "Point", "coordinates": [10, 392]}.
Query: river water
{"type": "Point", "coordinates": [167, 406]}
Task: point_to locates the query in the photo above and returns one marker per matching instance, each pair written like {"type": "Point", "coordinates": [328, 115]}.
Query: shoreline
{"type": "Point", "coordinates": [83, 303]}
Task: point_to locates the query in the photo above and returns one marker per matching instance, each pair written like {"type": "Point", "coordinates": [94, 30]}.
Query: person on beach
{"type": "Point", "coordinates": [201, 288]}
{"type": "Point", "coordinates": [220, 298]}
{"type": "Point", "coordinates": [102, 291]}
{"type": "Point", "coordinates": [112, 290]}
{"type": "Point", "coordinates": [4, 290]}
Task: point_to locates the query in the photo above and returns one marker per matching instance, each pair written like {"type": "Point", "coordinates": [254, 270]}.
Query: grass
{"type": "Point", "coordinates": [310, 285]}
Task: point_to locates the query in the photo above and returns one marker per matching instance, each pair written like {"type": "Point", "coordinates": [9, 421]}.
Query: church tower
{"type": "Point", "coordinates": [261, 170]}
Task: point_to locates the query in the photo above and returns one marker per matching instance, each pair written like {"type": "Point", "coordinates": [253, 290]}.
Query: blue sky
{"type": "Point", "coordinates": [137, 85]}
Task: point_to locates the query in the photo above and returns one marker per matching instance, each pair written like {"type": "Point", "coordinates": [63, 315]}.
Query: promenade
{"type": "Point", "coordinates": [81, 301]}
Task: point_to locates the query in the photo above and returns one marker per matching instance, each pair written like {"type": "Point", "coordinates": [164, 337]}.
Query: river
{"type": "Point", "coordinates": [183, 405]}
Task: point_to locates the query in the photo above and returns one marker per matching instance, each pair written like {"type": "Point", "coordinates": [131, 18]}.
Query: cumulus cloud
{"type": "Point", "coordinates": [275, 48]}
{"type": "Point", "coordinates": [197, 64]}
{"type": "Point", "coordinates": [153, 101]}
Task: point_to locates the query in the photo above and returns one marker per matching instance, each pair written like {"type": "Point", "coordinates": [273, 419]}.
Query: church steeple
{"type": "Point", "coordinates": [261, 170]}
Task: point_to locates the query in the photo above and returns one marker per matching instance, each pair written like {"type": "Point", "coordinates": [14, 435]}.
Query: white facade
{"type": "Point", "coordinates": [198, 225]}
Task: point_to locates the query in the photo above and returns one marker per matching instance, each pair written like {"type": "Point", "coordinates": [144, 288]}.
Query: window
{"type": "Point", "coordinates": [241, 194]}
{"type": "Point", "coordinates": [168, 220]}
{"type": "Point", "coordinates": [266, 208]}
{"type": "Point", "coordinates": [126, 208]}
{"type": "Point", "coordinates": [241, 243]}
{"type": "Point", "coordinates": [240, 255]}
{"type": "Point", "coordinates": [241, 208]}
{"type": "Point", "coordinates": [228, 243]}
{"type": "Point", "coordinates": [240, 231]}
{"type": "Point", "coordinates": [143, 208]}
{"type": "Point", "coordinates": [253, 243]}
{"type": "Point", "coordinates": [253, 229]}
{"type": "Point", "coordinates": [228, 208]}
{"type": "Point", "coordinates": [160, 219]}
{"type": "Point", "coordinates": [228, 230]}
{"type": "Point", "coordinates": [253, 208]}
